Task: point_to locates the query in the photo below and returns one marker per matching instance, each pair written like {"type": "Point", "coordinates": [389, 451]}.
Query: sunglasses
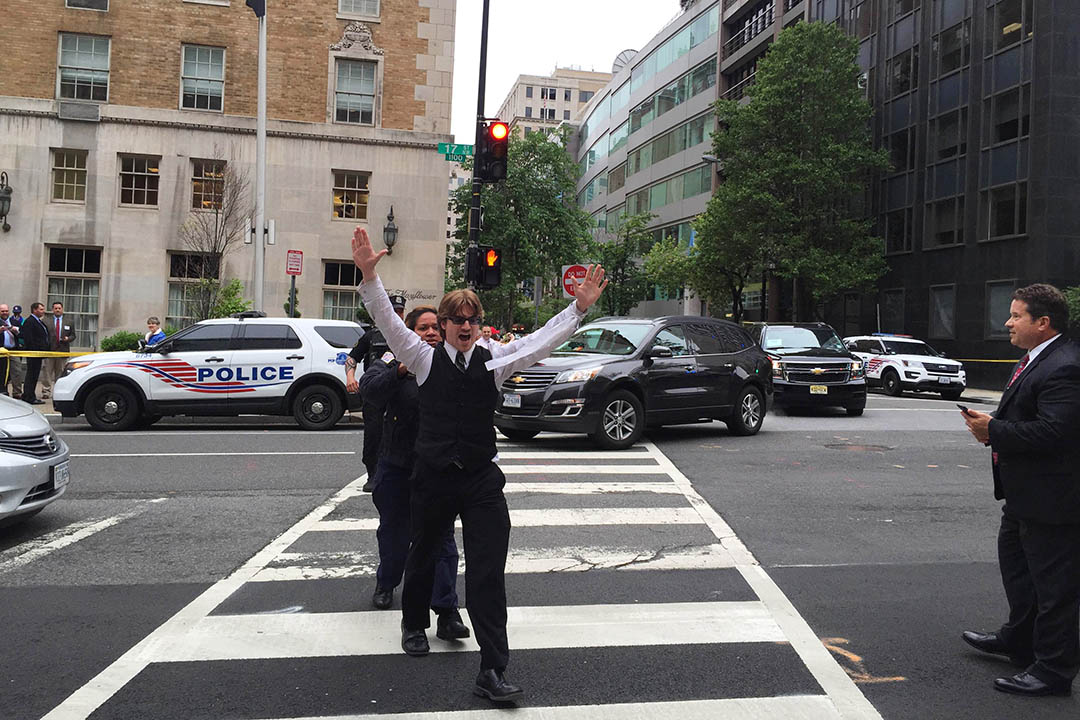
{"type": "Point", "coordinates": [459, 320]}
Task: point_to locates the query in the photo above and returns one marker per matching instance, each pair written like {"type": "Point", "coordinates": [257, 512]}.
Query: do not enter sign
{"type": "Point", "coordinates": [570, 274]}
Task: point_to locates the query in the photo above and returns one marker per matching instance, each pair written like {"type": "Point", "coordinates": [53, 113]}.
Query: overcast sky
{"type": "Point", "coordinates": [533, 38]}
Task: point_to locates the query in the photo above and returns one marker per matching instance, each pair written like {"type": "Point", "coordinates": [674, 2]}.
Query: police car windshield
{"type": "Point", "coordinates": [606, 339]}
{"type": "Point", "coordinates": [792, 339]}
{"type": "Point", "coordinates": [901, 347]}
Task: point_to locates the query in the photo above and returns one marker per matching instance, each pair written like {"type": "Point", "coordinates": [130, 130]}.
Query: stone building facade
{"type": "Point", "coordinates": [121, 121]}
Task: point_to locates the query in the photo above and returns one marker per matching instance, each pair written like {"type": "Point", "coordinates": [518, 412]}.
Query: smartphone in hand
{"type": "Point", "coordinates": [963, 409]}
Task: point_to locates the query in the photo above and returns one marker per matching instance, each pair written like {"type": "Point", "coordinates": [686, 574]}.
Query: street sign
{"type": "Point", "coordinates": [570, 273]}
{"type": "Point", "coordinates": [452, 149]}
{"type": "Point", "coordinates": [457, 158]}
{"type": "Point", "coordinates": [294, 262]}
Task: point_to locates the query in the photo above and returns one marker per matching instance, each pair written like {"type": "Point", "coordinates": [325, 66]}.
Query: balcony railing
{"type": "Point", "coordinates": [748, 33]}
{"type": "Point", "coordinates": [789, 5]}
{"type": "Point", "coordinates": [736, 91]}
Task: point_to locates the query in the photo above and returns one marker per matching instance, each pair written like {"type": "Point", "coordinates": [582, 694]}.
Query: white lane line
{"type": "Point", "coordinates": [352, 634]}
{"type": "Point", "coordinates": [336, 565]}
{"type": "Point", "coordinates": [849, 700]}
{"type": "Point", "coordinates": [789, 707]}
{"type": "Point", "coordinates": [581, 469]}
{"type": "Point", "coordinates": [555, 517]}
{"type": "Point", "coordinates": [570, 456]}
{"type": "Point", "coordinates": [213, 454]}
{"type": "Point", "coordinates": [39, 547]}
{"type": "Point", "coordinates": [88, 698]}
{"type": "Point", "coordinates": [587, 488]}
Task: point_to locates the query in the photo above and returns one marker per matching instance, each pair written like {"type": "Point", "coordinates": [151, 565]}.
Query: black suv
{"type": "Point", "coordinates": [811, 366]}
{"type": "Point", "coordinates": [617, 375]}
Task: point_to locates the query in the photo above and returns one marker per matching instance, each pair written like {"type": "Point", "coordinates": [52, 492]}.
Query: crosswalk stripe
{"type": "Point", "coordinates": [593, 488]}
{"type": "Point", "coordinates": [246, 637]}
{"type": "Point", "coordinates": [323, 565]}
{"type": "Point", "coordinates": [578, 469]}
{"type": "Point", "coordinates": [552, 517]}
{"type": "Point", "coordinates": [572, 456]}
{"type": "Point", "coordinates": [790, 707]}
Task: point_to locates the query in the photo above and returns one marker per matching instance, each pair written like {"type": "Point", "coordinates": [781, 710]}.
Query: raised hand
{"type": "Point", "coordinates": [363, 254]}
{"type": "Point", "coordinates": [588, 290]}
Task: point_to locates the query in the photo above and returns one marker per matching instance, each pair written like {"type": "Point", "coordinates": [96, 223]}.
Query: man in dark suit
{"type": "Point", "coordinates": [35, 334]}
{"type": "Point", "coordinates": [1035, 438]}
{"type": "Point", "coordinates": [61, 333]}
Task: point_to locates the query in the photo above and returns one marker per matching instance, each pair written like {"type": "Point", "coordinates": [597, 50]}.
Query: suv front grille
{"type": "Point", "coordinates": [530, 380]}
{"type": "Point", "coordinates": [941, 368]}
{"type": "Point", "coordinates": [36, 446]}
{"type": "Point", "coordinates": [826, 372]}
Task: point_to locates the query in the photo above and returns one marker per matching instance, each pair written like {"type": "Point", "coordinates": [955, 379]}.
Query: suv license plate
{"type": "Point", "coordinates": [61, 474]}
{"type": "Point", "coordinates": [819, 389]}
{"type": "Point", "coordinates": [943, 381]}
{"type": "Point", "coordinates": [511, 400]}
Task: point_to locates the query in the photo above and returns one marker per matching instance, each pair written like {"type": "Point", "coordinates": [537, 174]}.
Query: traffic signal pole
{"type": "Point", "coordinates": [472, 255]}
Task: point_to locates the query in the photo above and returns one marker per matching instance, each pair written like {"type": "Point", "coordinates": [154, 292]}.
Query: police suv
{"type": "Point", "coordinates": [246, 364]}
{"type": "Point", "coordinates": [900, 362]}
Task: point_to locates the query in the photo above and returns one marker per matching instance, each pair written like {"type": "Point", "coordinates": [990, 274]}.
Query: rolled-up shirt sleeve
{"type": "Point", "coordinates": [408, 348]}
{"type": "Point", "coordinates": [508, 359]}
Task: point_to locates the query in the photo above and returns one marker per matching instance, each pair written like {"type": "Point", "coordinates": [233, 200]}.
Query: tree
{"type": "Point", "coordinates": [620, 253]}
{"type": "Point", "coordinates": [531, 217]}
{"type": "Point", "coordinates": [213, 229]}
{"type": "Point", "coordinates": [796, 161]}
{"type": "Point", "coordinates": [1072, 297]}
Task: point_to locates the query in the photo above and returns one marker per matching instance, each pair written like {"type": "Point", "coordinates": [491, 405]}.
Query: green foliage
{"type": "Point", "coordinates": [1072, 297]}
{"type": "Point", "coordinates": [121, 341]}
{"type": "Point", "coordinates": [229, 299]}
{"type": "Point", "coordinates": [169, 330]}
{"type": "Point", "coordinates": [668, 265]}
{"type": "Point", "coordinates": [532, 217]}
{"type": "Point", "coordinates": [285, 306]}
{"type": "Point", "coordinates": [620, 254]}
{"type": "Point", "coordinates": [796, 160]}
{"type": "Point", "coordinates": [363, 316]}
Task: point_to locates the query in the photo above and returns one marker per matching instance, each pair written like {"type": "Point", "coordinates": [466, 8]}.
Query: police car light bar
{"type": "Point", "coordinates": [892, 335]}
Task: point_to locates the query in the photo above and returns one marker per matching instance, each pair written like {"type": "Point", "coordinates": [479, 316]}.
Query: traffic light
{"type": "Point", "coordinates": [483, 267]}
{"type": "Point", "coordinates": [491, 155]}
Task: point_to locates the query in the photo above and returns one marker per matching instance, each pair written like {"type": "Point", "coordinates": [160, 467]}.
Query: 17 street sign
{"type": "Point", "coordinates": [457, 158]}
{"type": "Point", "coordinates": [452, 149]}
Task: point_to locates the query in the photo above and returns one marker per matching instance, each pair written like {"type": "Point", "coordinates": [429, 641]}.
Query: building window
{"type": "Point", "coordinates": [898, 231]}
{"type": "Point", "coordinates": [861, 20]}
{"type": "Point", "coordinates": [88, 4]}
{"type": "Point", "coordinates": [139, 176]}
{"type": "Point", "coordinates": [617, 178]}
{"type": "Point", "coordinates": [585, 95]}
{"type": "Point", "coordinates": [354, 96]}
{"type": "Point", "coordinates": [350, 195]}
{"type": "Point", "coordinates": [565, 114]}
{"type": "Point", "coordinates": [903, 72]}
{"type": "Point", "coordinates": [207, 184]}
{"type": "Point", "coordinates": [948, 135]}
{"type": "Point", "coordinates": [84, 67]}
{"type": "Point", "coordinates": [998, 301]}
{"type": "Point", "coordinates": [528, 111]}
{"type": "Point", "coordinates": [892, 310]}
{"type": "Point", "coordinates": [202, 79]}
{"type": "Point", "coordinates": [899, 8]}
{"type": "Point", "coordinates": [69, 176]}
{"type": "Point", "coordinates": [902, 150]}
{"type": "Point", "coordinates": [74, 279]}
{"type": "Point", "coordinates": [1010, 115]}
{"type": "Point", "coordinates": [528, 91]}
{"type": "Point", "coordinates": [1009, 22]}
{"type": "Point", "coordinates": [943, 312]}
{"type": "Point", "coordinates": [340, 298]}
{"type": "Point", "coordinates": [566, 95]}
{"type": "Point", "coordinates": [366, 8]}
{"type": "Point", "coordinates": [1006, 210]}
{"type": "Point", "coordinates": [945, 221]}
{"type": "Point", "coordinates": [189, 299]}
{"type": "Point", "coordinates": [547, 113]}
{"type": "Point", "coordinates": [951, 49]}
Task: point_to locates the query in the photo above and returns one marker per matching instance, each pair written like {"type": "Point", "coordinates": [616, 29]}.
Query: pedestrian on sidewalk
{"type": "Point", "coordinates": [35, 333]}
{"type": "Point", "coordinates": [389, 385]}
{"type": "Point", "coordinates": [1035, 439]}
{"type": "Point", "coordinates": [154, 333]}
{"type": "Point", "coordinates": [455, 474]}
{"type": "Point", "coordinates": [17, 365]}
{"type": "Point", "coordinates": [61, 333]}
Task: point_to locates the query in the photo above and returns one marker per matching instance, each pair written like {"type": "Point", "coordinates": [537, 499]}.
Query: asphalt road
{"type": "Point", "coordinates": [880, 530]}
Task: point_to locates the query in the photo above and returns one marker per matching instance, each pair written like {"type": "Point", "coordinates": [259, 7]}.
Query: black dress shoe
{"type": "Point", "coordinates": [993, 644]}
{"type": "Point", "coordinates": [382, 599]}
{"type": "Point", "coordinates": [450, 626]}
{"type": "Point", "coordinates": [369, 486]}
{"type": "Point", "coordinates": [414, 642]}
{"type": "Point", "coordinates": [36, 402]}
{"type": "Point", "coordinates": [1027, 684]}
{"type": "Point", "coordinates": [492, 685]}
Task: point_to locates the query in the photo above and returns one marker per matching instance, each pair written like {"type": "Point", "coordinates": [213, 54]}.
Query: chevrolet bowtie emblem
{"type": "Point", "coordinates": [818, 371]}
{"type": "Point", "coordinates": [517, 379]}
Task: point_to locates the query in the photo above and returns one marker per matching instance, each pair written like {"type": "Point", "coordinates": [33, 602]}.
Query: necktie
{"type": "Point", "coordinates": [1019, 369]}
{"type": "Point", "coordinates": [459, 361]}
{"type": "Point", "coordinates": [57, 329]}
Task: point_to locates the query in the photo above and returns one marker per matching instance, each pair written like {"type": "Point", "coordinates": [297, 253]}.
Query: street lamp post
{"type": "Point", "coordinates": [5, 200]}
{"type": "Point", "coordinates": [389, 232]}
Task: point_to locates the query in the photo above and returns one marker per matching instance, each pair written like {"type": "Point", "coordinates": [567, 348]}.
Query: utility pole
{"type": "Point", "coordinates": [472, 255]}
{"type": "Point", "coordinates": [260, 170]}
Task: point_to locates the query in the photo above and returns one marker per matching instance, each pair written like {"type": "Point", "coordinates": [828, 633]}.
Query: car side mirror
{"type": "Point", "coordinates": [659, 351]}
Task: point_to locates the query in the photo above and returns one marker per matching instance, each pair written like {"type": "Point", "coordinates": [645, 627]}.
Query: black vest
{"type": "Point", "coordinates": [457, 411]}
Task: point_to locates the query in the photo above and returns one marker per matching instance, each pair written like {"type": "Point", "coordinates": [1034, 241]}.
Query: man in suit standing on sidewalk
{"type": "Point", "coordinates": [35, 334]}
{"type": "Point", "coordinates": [1035, 438]}
{"type": "Point", "coordinates": [61, 334]}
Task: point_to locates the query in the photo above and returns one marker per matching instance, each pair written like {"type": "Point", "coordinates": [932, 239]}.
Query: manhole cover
{"type": "Point", "coordinates": [859, 448]}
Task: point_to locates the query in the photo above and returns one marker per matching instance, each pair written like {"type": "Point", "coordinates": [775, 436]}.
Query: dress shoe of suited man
{"type": "Point", "coordinates": [1027, 684]}
{"type": "Point", "coordinates": [992, 644]}
{"type": "Point", "coordinates": [449, 626]}
{"type": "Point", "coordinates": [493, 685]}
{"type": "Point", "coordinates": [382, 599]}
{"type": "Point", "coordinates": [414, 642]}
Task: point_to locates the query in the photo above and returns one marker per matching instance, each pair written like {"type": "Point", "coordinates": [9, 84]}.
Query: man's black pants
{"type": "Point", "coordinates": [1040, 568]}
{"type": "Point", "coordinates": [5, 368]}
{"type": "Point", "coordinates": [476, 495]}
{"type": "Point", "coordinates": [373, 421]}
{"type": "Point", "coordinates": [33, 370]}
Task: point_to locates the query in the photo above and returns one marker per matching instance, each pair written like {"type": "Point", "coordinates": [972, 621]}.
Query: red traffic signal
{"type": "Point", "coordinates": [492, 152]}
{"type": "Point", "coordinates": [498, 130]}
{"type": "Point", "coordinates": [491, 259]}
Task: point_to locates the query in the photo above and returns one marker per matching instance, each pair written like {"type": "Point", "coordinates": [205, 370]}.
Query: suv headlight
{"type": "Point", "coordinates": [73, 366]}
{"type": "Point", "coordinates": [571, 376]}
{"type": "Point", "coordinates": [777, 369]}
{"type": "Point", "coordinates": [858, 369]}
{"type": "Point", "coordinates": [912, 363]}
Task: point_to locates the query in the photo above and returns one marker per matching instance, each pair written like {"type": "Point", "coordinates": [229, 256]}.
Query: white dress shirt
{"type": "Point", "coordinates": [1034, 352]}
{"type": "Point", "coordinates": [416, 354]}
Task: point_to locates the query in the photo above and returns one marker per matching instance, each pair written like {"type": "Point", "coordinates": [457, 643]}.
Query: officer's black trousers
{"type": "Point", "coordinates": [438, 496]}
{"type": "Point", "coordinates": [373, 422]}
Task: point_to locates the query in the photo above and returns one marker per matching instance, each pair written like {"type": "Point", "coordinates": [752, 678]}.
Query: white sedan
{"type": "Point", "coordinates": [34, 469]}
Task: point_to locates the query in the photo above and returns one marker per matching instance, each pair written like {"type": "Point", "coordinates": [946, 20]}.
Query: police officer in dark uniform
{"type": "Point", "coordinates": [371, 346]}
{"type": "Point", "coordinates": [388, 384]}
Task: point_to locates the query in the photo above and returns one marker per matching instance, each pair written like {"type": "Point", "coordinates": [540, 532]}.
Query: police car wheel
{"type": "Point", "coordinates": [890, 382]}
{"type": "Point", "coordinates": [317, 407]}
{"type": "Point", "coordinates": [111, 407]}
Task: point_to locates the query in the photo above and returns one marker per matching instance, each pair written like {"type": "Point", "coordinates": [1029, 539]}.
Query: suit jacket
{"type": "Point", "coordinates": [67, 334]}
{"type": "Point", "coordinates": [1036, 434]}
{"type": "Point", "coordinates": [35, 334]}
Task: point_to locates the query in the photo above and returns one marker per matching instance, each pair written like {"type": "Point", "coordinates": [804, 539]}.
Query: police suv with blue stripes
{"type": "Point", "coordinates": [246, 364]}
